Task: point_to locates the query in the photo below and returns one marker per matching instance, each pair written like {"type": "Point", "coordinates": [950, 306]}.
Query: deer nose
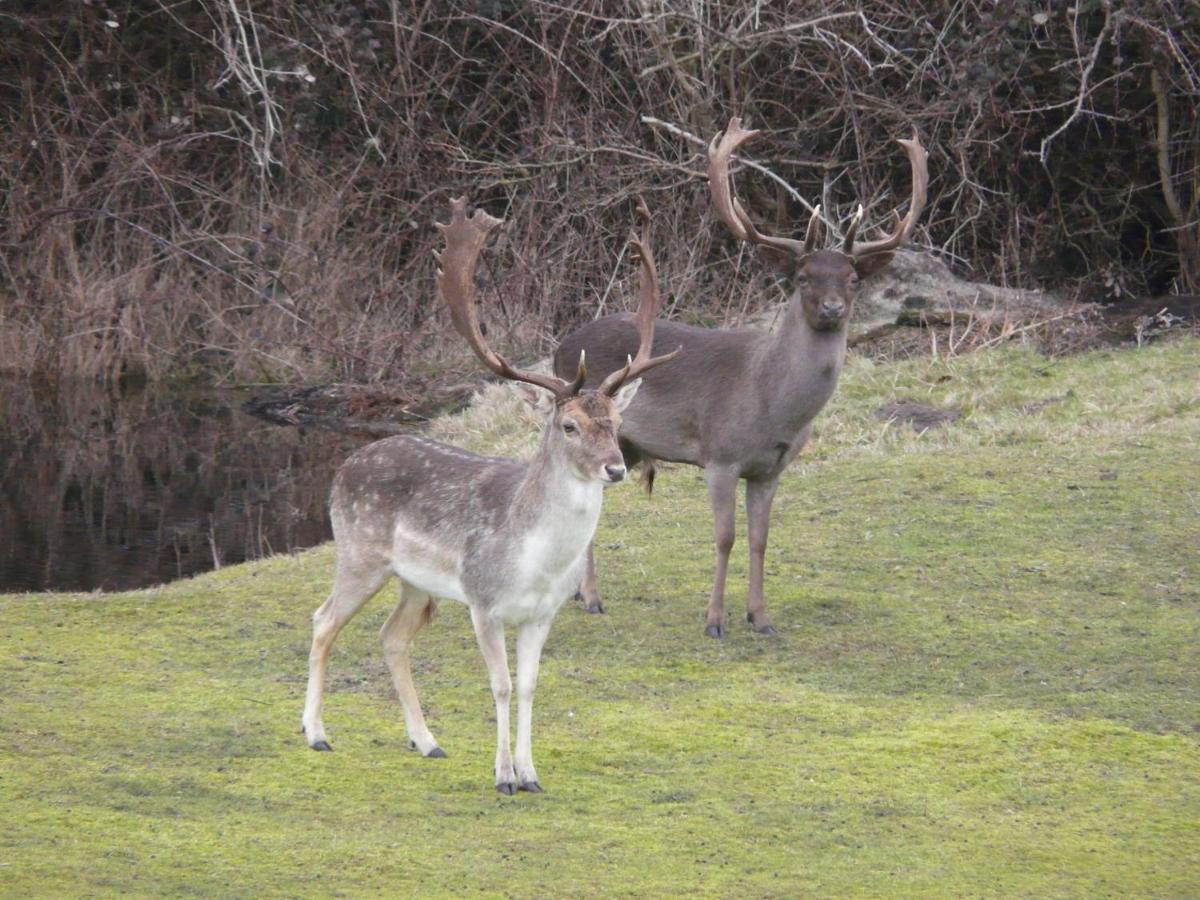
{"type": "Point", "coordinates": [615, 473]}
{"type": "Point", "coordinates": [832, 309]}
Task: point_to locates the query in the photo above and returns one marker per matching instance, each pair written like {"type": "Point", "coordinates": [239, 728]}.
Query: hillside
{"type": "Point", "coordinates": [986, 683]}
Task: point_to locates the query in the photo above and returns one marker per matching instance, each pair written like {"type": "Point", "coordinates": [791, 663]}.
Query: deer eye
{"type": "Point", "coordinates": [570, 427]}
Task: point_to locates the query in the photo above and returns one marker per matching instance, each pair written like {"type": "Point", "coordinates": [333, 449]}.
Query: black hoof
{"type": "Point", "coordinates": [532, 787]}
{"type": "Point", "coordinates": [506, 787]}
{"type": "Point", "coordinates": [715, 631]}
{"type": "Point", "coordinates": [766, 628]}
{"type": "Point", "coordinates": [436, 753]}
{"type": "Point", "coordinates": [596, 608]}
{"type": "Point", "coordinates": [322, 746]}
{"type": "Point", "coordinates": [579, 596]}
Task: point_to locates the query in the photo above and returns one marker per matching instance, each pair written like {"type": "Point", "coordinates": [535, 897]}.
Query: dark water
{"type": "Point", "coordinates": [116, 489]}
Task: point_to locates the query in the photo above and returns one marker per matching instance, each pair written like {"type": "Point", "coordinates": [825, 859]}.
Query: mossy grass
{"type": "Point", "coordinates": [986, 683]}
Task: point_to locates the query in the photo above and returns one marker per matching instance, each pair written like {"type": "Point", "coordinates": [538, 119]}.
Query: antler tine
{"type": "Point", "coordinates": [814, 229]}
{"type": "Point", "coordinates": [647, 312]}
{"type": "Point", "coordinates": [730, 211]}
{"type": "Point", "coordinates": [848, 242]}
{"type": "Point", "coordinates": [465, 237]}
{"type": "Point", "coordinates": [918, 158]}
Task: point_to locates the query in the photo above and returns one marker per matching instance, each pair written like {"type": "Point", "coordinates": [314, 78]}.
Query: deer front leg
{"type": "Point", "coordinates": [759, 495]}
{"type": "Point", "coordinates": [530, 639]}
{"type": "Point", "coordinates": [722, 496]}
{"type": "Point", "coordinates": [588, 592]}
{"type": "Point", "coordinates": [490, 635]}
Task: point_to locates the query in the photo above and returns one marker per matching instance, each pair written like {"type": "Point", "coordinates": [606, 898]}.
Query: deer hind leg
{"type": "Point", "coordinates": [490, 634]}
{"type": "Point", "coordinates": [588, 592]}
{"type": "Point", "coordinates": [416, 608]}
{"type": "Point", "coordinates": [759, 495]}
{"type": "Point", "coordinates": [353, 585]}
{"type": "Point", "coordinates": [531, 637]}
{"type": "Point", "coordinates": [722, 496]}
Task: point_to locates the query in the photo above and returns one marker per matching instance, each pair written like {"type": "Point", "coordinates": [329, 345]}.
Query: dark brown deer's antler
{"type": "Point", "coordinates": [456, 281]}
{"type": "Point", "coordinates": [731, 211]}
{"type": "Point", "coordinates": [648, 305]}
{"type": "Point", "coordinates": [736, 220]}
{"type": "Point", "coordinates": [918, 158]}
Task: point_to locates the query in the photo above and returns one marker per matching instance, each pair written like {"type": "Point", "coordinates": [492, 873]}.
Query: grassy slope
{"type": "Point", "coordinates": [986, 683]}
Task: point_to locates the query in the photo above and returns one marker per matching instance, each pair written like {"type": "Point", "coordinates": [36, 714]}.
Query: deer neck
{"type": "Point", "coordinates": [553, 500]}
{"type": "Point", "coordinates": [804, 364]}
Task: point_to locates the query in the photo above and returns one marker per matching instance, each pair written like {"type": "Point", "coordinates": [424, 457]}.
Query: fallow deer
{"type": "Point", "coordinates": [737, 403]}
{"type": "Point", "coordinates": [506, 537]}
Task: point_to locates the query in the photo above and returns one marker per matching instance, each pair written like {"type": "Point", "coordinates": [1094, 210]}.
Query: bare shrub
{"type": "Point", "coordinates": [244, 190]}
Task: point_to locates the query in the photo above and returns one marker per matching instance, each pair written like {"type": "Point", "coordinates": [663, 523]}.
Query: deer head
{"type": "Point", "coordinates": [581, 426]}
{"type": "Point", "coordinates": [824, 279]}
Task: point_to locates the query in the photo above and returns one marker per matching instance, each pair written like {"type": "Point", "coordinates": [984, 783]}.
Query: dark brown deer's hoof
{"type": "Point", "coordinates": [532, 787]}
{"type": "Point", "coordinates": [322, 746]}
{"type": "Point", "coordinates": [764, 628]}
{"type": "Point", "coordinates": [506, 787]}
{"type": "Point", "coordinates": [715, 631]}
{"type": "Point", "coordinates": [436, 753]}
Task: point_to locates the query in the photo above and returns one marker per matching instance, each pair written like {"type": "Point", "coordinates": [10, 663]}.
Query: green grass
{"type": "Point", "coordinates": [986, 684]}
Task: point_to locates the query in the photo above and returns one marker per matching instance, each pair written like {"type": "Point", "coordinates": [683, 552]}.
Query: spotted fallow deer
{"type": "Point", "coordinates": [506, 537]}
{"type": "Point", "coordinates": [740, 404]}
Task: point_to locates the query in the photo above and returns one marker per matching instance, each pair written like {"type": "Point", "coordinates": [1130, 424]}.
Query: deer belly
{"type": "Point", "coordinates": [426, 566]}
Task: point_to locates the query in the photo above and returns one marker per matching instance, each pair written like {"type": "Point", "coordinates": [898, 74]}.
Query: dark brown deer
{"type": "Point", "coordinates": [740, 404]}
{"type": "Point", "coordinates": [506, 537]}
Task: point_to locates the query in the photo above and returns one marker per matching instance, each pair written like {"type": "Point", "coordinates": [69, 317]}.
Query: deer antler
{"type": "Point", "coordinates": [456, 281]}
{"type": "Point", "coordinates": [648, 305]}
{"type": "Point", "coordinates": [730, 210]}
{"type": "Point", "coordinates": [736, 220]}
{"type": "Point", "coordinates": [918, 158]}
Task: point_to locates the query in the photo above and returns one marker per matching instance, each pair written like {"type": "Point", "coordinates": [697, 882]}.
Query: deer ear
{"type": "Point", "coordinates": [782, 261]}
{"type": "Point", "coordinates": [625, 394]}
{"type": "Point", "coordinates": [867, 266]}
{"type": "Point", "coordinates": [539, 400]}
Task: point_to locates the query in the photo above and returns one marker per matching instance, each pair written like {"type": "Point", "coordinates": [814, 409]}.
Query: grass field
{"type": "Point", "coordinates": [986, 684]}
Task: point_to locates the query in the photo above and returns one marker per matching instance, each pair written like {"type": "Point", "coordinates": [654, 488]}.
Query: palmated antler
{"type": "Point", "coordinates": [456, 281]}
{"type": "Point", "coordinates": [918, 158]}
{"type": "Point", "coordinates": [736, 220]}
{"type": "Point", "coordinates": [730, 211]}
{"type": "Point", "coordinates": [648, 305]}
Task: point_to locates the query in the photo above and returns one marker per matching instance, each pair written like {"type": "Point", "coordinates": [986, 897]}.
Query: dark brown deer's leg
{"type": "Point", "coordinates": [759, 495]}
{"type": "Point", "coordinates": [588, 592]}
{"type": "Point", "coordinates": [722, 495]}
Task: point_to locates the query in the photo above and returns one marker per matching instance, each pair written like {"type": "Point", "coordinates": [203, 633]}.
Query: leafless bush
{"type": "Point", "coordinates": [243, 188]}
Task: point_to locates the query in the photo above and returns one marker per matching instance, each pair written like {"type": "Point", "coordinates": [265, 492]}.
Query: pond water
{"type": "Point", "coordinates": [111, 489]}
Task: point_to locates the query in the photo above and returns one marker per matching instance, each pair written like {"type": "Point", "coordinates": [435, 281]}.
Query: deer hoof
{"type": "Point", "coordinates": [506, 787]}
{"type": "Point", "coordinates": [596, 608]}
{"type": "Point", "coordinates": [322, 745]}
{"type": "Point", "coordinates": [764, 628]}
{"type": "Point", "coordinates": [436, 753]}
{"type": "Point", "coordinates": [715, 631]}
{"type": "Point", "coordinates": [532, 787]}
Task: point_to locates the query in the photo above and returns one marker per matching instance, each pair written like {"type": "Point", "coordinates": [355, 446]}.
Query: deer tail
{"type": "Point", "coordinates": [648, 472]}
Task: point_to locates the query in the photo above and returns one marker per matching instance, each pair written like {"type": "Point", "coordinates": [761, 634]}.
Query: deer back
{"type": "Point", "coordinates": [732, 395]}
